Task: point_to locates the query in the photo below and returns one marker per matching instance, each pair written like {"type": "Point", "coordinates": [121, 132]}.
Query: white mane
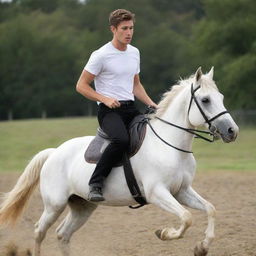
{"type": "Point", "coordinates": [168, 96]}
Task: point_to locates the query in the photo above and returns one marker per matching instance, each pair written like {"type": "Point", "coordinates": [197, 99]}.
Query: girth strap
{"type": "Point", "coordinates": [132, 183]}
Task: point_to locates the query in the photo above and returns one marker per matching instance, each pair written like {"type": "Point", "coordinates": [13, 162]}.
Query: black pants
{"type": "Point", "coordinates": [114, 122]}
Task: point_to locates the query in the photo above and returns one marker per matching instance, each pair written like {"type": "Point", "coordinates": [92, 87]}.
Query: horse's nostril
{"type": "Point", "coordinates": [230, 130]}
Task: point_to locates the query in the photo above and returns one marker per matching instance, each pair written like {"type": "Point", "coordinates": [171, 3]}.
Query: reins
{"type": "Point", "coordinates": [167, 143]}
{"type": "Point", "coordinates": [190, 130]}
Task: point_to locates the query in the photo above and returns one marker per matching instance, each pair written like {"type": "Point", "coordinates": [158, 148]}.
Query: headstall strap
{"type": "Point", "coordinates": [208, 121]}
{"type": "Point", "coordinates": [198, 105]}
{"type": "Point", "coordinates": [189, 130]}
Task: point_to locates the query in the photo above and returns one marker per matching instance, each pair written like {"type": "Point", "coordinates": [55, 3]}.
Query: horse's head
{"type": "Point", "coordinates": [206, 107]}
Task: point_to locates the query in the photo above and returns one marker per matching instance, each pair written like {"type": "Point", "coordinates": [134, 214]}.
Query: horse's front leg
{"type": "Point", "coordinates": [160, 196]}
{"type": "Point", "coordinates": [192, 199]}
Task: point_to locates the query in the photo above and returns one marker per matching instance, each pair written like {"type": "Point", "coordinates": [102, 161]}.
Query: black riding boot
{"type": "Point", "coordinates": [95, 194]}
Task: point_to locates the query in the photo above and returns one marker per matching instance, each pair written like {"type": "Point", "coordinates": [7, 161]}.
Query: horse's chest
{"type": "Point", "coordinates": [175, 183]}
{"type": "Point", "coordinates": [178, 177]}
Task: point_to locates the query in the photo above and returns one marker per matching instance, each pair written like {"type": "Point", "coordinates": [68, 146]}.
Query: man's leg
{"type": "Point", "coordinates": [113, 125]}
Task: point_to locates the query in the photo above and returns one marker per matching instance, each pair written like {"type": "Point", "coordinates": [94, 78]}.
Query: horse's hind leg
{"type": "Point", "coordinates": [49, 216]}
{"type": "Point", "coordinates": [80, 211]}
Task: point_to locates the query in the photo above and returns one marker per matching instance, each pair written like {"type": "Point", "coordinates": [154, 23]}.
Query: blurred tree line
{"type": "Point", "coordinates": [44, 45]}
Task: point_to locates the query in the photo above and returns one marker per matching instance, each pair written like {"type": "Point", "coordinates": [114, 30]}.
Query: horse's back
{"type": "Point", "coordinates": [69, 150]}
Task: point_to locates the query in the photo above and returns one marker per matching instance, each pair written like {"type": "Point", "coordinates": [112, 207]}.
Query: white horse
{"type": "Point", "coordinates": [164, 174]}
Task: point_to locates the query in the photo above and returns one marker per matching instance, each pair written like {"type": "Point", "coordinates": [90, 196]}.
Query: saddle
{"type": "Point", "coordinates": [137, 131]}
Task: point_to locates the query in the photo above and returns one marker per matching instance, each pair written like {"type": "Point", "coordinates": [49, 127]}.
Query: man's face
{"type": "Point", "coordinates": [124, 32]}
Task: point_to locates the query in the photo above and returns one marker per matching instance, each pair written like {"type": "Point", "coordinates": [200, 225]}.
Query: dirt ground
{"type": "Point", "coordinates": [120, 231]}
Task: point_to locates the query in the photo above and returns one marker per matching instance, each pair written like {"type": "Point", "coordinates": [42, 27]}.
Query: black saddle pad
{"type": "Point", "coordinates": [137, 131]}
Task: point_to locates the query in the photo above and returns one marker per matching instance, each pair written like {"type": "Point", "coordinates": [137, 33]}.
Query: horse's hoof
{"type": "Point", "coordinates": [200, 250]}
{"type": "Point", "coordinates": [158, 233]}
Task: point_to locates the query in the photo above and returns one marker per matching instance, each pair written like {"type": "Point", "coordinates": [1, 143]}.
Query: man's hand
{"type": "Point", "coordinates": [111, 102]}
{"type": "Point", "coordinates": [153, 105]}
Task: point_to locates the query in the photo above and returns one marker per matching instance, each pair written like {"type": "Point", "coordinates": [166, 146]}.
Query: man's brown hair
{"type": "Point", "coordinates": [119, 15]}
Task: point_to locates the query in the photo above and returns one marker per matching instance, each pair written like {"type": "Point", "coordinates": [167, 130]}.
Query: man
{"type": "Point", "coordinates": [115, 70]}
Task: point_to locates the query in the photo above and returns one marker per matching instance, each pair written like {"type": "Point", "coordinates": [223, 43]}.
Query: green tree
{"type": "Point", "coordinates": [45, 44]}
{"type": "Point", "coordinates": [163, 61]}
{"type": "Point", "coordinates": [226, 39]}
{"type": "Point", "coordinates": [38, 66]}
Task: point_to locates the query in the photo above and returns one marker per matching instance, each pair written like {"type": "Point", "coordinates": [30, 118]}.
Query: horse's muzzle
{"type": "Point", "coordinates": [226, 129]}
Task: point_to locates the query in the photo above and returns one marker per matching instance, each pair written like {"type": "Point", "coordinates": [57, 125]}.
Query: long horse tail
{"type": "Point", "coordinates": [15, 201]}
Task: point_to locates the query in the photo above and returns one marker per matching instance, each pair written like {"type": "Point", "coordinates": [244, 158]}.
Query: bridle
{"type": "Point", "coordinates": [212, 129]}
{"type": "Point", "coordinates": [193, 97]}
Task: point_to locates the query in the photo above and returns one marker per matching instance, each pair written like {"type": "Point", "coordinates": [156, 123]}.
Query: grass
{"type": "Point", "coordinates": [236, 156]}
{"type": "Point", "coordinates": [20, 140]}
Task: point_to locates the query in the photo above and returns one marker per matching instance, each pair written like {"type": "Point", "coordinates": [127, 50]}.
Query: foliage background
{"type": "Point", "coordinates": [44, 45]}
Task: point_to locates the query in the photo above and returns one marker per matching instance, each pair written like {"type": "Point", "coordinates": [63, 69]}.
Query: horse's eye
{"type": "Point", "coordinates": [205, 100]}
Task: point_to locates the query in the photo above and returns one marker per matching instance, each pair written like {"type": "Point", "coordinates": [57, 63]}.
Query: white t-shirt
{"type": "Point", "coordinates": [114, 70]}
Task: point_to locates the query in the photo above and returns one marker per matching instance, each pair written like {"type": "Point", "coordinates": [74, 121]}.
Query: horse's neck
{"type": "Point", "coordinates": [175, 113]}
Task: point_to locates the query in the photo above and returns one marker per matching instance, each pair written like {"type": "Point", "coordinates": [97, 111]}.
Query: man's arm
{"type": "Point", "coordinates": [83, 86]}
{"type": "Point", "coordinates": [140, 93]}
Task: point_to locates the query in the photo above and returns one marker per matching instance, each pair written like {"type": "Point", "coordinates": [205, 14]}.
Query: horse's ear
{"type": "Point", "coordinates": [211, 72]}
{"type": "Point", "coordinates": [198, 74]}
